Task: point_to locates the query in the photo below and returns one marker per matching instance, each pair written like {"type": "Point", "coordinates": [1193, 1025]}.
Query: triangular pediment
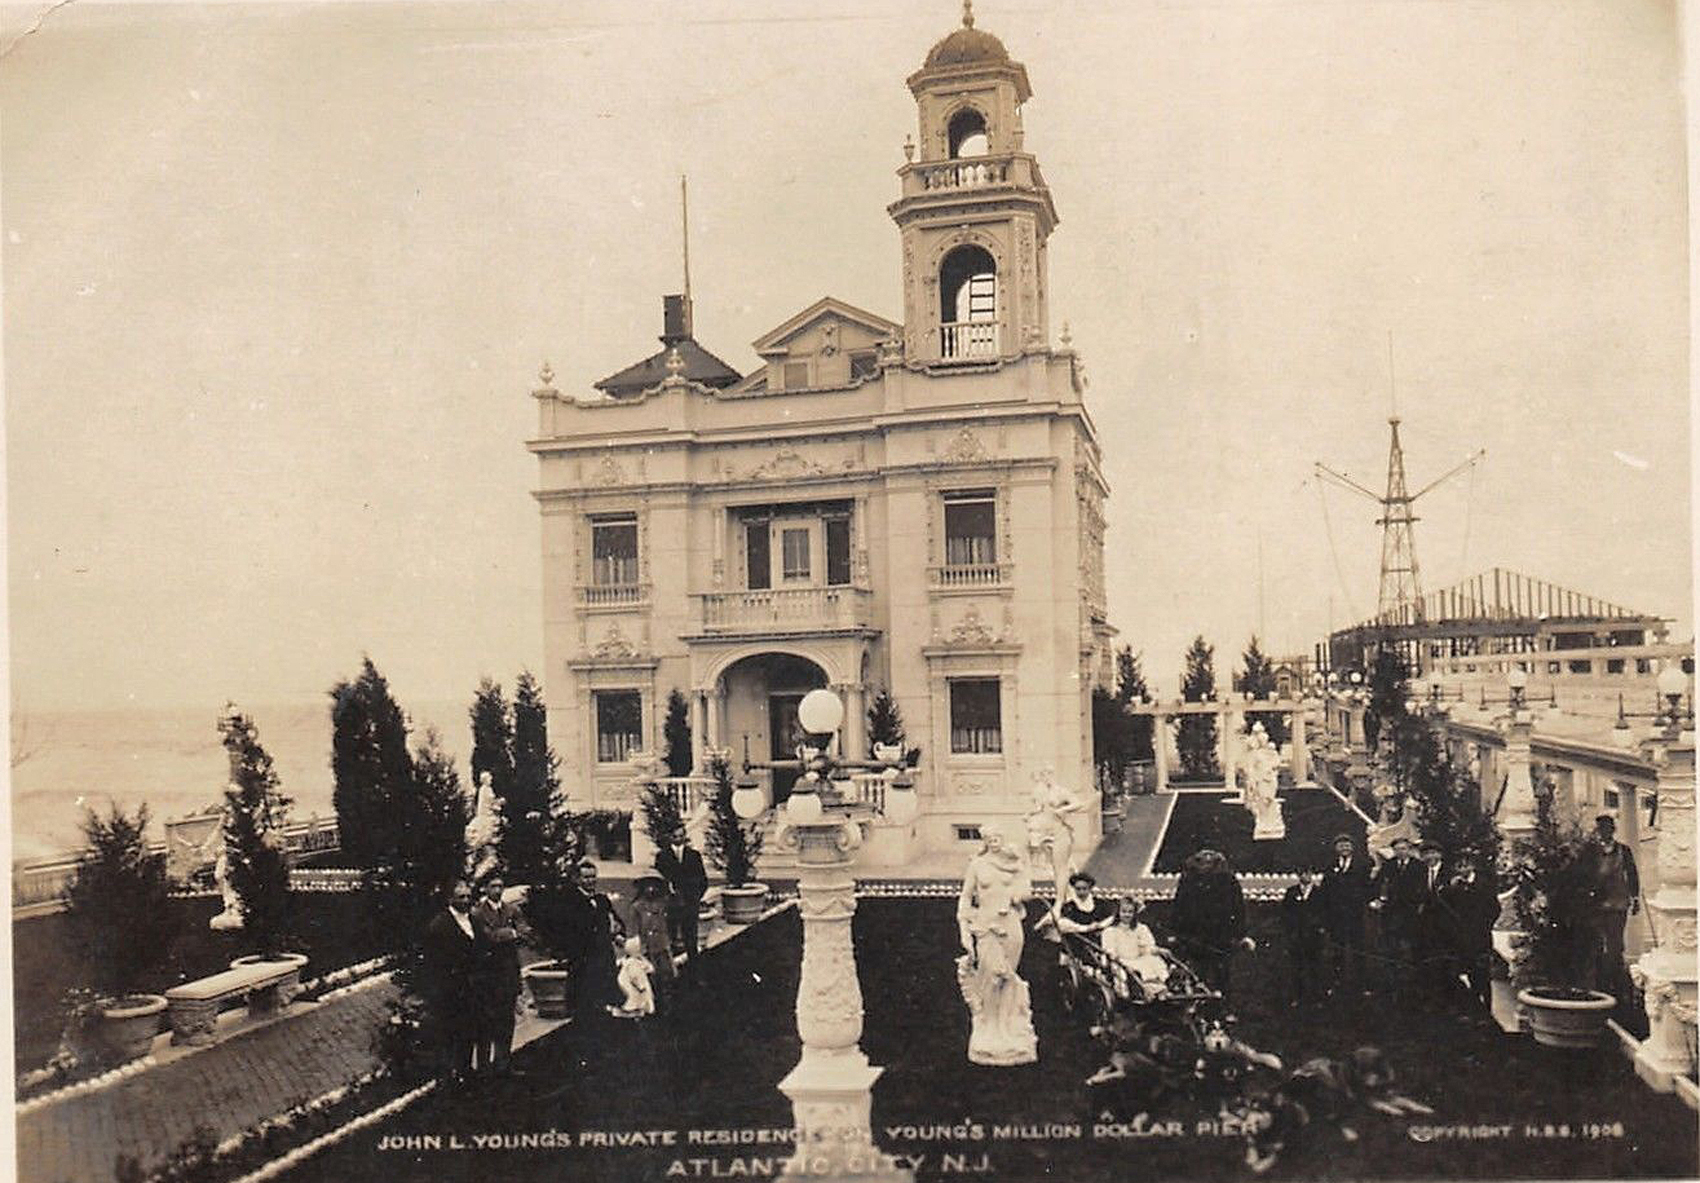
{"type": "Point", "coordinates": [827, 308]}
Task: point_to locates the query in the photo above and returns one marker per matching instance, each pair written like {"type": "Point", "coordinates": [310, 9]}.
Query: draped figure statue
{"type": "Point", "coordinates": [1049, 829]}
{"type": "Point", "coordinates": [995, 888]}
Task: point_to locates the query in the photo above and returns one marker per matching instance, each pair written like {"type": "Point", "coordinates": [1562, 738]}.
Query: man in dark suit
{"type": "Point", "coordinates": [1471, 905]}
{"type": "Point", "coordinates": [1302, 921]}
{"type": "Point", "coordinates": [449, 960]}
{"type": "Point", "coordinates": [1345, 892]}
{"type": "Point", "coordinates": [1614, 895]}
{"type": "Point", "coordinates": [687, 879]}
{"type": "Point", "coordinates": [1398, 884]}
{"type": "Point", "coordinates": [1433, 934]}
{"type": "Point", "coordinates": [592, 959]}
{"type": "Point", "coordinates": [498, 927]}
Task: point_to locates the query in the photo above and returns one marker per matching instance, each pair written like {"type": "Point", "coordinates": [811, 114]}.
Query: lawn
{"type": "Point", "coordinates": [1314, 817]}
{"type": "Point", "coordinates": [713, 1064]}
{"type": "Point", "coordinates": [331, 930]}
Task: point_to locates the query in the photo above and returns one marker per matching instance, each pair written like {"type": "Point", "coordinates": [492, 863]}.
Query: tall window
{"type": "Point", "coordinates": [619, 725]}
{"type": "Point", "coordinates": [614, 551]}
{"type": "Point", "coordinates": [968, 304]}
{"type": "Point", "coordinates": [794, 554]}
{"type": "Point", "coordinates": [757, 555]}
{"type": "Point", "coordinates": [970, 528]}
{"type": "Point", "coordinates": [976, 716]}
{"type": "Point", "coordinates": [837, 551]}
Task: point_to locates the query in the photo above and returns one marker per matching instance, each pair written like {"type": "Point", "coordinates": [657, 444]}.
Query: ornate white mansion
{"type": "Point", "coordinates": [915, 505]}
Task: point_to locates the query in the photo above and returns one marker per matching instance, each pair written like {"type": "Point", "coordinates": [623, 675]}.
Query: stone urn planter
{"type": "Point", "coordinates": [743, 905]}
{"type": "Point", "coordinates": [889, 753]}
{"type": "Point", "coordinates": [550, 984]}
{"type": "Point", "coordinates": [128, 1024]}
{"type": "Point", "coordinates": [1562, 1017]}
{"type": "Point", "coordinates": [1111, 815]}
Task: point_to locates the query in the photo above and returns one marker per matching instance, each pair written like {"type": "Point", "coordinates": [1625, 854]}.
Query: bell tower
{"type": "Point", "coordinates": [974, 213]}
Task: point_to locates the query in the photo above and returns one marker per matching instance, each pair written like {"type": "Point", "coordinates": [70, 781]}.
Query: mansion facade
{"type": "Point", "coordinates": [911, 505]}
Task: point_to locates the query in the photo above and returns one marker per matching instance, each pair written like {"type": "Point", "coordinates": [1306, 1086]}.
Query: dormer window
{"type": "Point", "coordinates": [968, 294]}
{"type": "Point", "coordinates": [968, 134]}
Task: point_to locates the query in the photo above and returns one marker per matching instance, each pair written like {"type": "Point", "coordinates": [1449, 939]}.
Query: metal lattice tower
{"type": "Point", "coordinates": [1401, 598]}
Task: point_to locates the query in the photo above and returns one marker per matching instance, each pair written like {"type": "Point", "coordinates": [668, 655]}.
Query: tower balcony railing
{"type": "Point", "coordinates": [785, 608]}
{"type": "Point", "coordinates": [969, 340]}
{"type": "Point", "coordinates": [973, 172]}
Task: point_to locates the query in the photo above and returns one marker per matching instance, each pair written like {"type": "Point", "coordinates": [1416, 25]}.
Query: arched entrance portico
{"type": "Point", "coordinates": [759, 720]}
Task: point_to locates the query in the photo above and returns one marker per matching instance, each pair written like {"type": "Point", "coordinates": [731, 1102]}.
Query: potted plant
{"type": "Point", "coordinates": [1550, 899]}
{"type": "Point", "coordinates": [733, 847]}
{"type": "Point", "coordinates": [118, 909]}
{"type": "Point", "coordinates": [554, 911]}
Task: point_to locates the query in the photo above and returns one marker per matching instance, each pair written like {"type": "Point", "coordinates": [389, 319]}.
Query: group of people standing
{"type": "Point", "coordinates": [470, 966]}
{"type": "Point", "coordinates": [1405, 923]}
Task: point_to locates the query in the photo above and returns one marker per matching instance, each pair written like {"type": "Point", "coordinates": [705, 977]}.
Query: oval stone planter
{"type": "Point", "coordinates": [296, 959]}
{"type": "Point", "coordinates": [743, 905]}
{"type": "Point", "coordinates": [1567, 1022]}
{"type": "Point", "coordinates": [128, 1030]}
{"type": "Point", "coordinates": [550, 984]}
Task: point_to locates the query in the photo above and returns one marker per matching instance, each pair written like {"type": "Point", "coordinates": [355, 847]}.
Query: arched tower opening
{"type": "Point", "coordinates": [967, 134]}
{"type": "Point", "coordinates": [968, 309]}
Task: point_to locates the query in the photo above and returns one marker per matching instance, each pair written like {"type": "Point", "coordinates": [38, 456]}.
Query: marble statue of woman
{"type": "Point", "coordinates": [1262, 777]}
{"type": "Point", "coordinates": [231, 918]}
{"type": "Point", "coordinates": [1048, 828]}
{"type": "Point", "coordinates": [482, 830]}
{"type": "Point", "coordinates": [995, 888]}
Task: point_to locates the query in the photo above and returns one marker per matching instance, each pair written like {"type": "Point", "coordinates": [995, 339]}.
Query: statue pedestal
{"type": "Point", "coordinates": [1270, 824]}
{"type": "Point", "coordinates": [831, 1105]}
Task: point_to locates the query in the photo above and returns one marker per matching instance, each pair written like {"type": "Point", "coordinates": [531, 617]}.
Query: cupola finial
{"type": "Point", "coordinates": [967, 14]}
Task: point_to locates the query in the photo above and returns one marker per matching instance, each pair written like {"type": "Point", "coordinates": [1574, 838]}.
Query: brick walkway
{"type": "Point", "coordinates": [229, 1088]}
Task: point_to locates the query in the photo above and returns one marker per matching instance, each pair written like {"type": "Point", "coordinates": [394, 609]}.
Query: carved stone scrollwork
{"type": "Point", "coordinates": [607, 472]}
{"type": "Point", "coordinates": [786, 464]}
{"type": "Point", "coordinates": [613, 645]}
{"type": "Point", "coordinates": [965, 446]}
{"type": "Point", "coordinates": [971, 630]}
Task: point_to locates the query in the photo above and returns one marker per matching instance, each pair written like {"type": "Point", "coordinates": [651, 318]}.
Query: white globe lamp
{"type": "Point", "coordinates": [820, 712]}
{"type": "Point", "coordinates": [749, 800]}
{"type": "Point", "coordinates": [803, 808]}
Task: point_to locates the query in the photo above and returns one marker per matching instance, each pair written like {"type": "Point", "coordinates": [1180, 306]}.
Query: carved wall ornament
{"type": "Point", "coordinates": [829, 338]}
{"type": "Point", "coordinates": [786, 464]}
{"type": "Point", "coordinates": [971, 630]}
{"type": "Point", "coordinates": [607, 472]}
{"type": "Point", "coordinates": [965, 446]}
{"type": "Point", "coordinates": [613, 645]}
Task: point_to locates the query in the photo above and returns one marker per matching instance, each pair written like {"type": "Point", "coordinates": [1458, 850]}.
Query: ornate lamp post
{"type": "Point", "coordinates": [830, 1088]}
{"type": "Point", "coordinates": [1516, 819]}
{"type": "Point", "coordinates": [1358, 773]}
{"type": "Point", "coordinates": [1666, 973]}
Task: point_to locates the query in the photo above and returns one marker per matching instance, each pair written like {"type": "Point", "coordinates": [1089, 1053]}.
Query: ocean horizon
{"type": "Point", "coordinates": [172, 760]}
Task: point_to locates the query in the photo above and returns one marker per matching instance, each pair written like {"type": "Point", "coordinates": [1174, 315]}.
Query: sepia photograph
{"type": "Point", "coordinates": [885, 592]}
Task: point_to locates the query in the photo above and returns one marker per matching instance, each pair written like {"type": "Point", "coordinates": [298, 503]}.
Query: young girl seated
{"type": "Point", "coordinates": [638, 995]}
{"type": "Point", "coordinates": [1130, 942]}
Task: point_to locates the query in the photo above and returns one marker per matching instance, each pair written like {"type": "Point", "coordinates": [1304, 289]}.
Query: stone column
{"type": "Point", "coordinates": [1667, 972]}
{"type": "Point", "coordinates": [1160, 749]}
{"type": "Point", "coordinates": [699, 730]}
{"type": "Point", "coordinates": [829, 1087]}
{"type": "Point", "coordinates": [1299, 753]}
{"type": "Point", "coordinates": [1227, 719]}
{"type": "Point", "coordinates": [713, 737]}
{"type": "Point", "coordinates": [1516, 819]}
{"type": "Point", "coordinates": [856, 721]}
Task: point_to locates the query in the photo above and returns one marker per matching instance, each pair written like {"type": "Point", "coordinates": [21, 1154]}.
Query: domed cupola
{"type": "Point", "coordinates": [974, 211]}
{"type": "Point", "coordinates": [967, 45]}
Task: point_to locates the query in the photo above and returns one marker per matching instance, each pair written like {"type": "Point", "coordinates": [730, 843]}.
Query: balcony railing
{"type": "Point", "coordinates": [963, 174]}
{"type": "Point", "coordinates": [970, 575]}
{"type": "Point", "coordinates": [789, 608]}
{"type": "Point", "coordinates": [613, 595]}
{"type": "Point", "coordinates": [968, 339]}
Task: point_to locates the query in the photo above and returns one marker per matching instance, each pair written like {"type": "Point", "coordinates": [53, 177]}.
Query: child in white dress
{"type": "Point", "coordinates": [1130, 942]}
{"type": "Point", "coordinates": [633, 980]}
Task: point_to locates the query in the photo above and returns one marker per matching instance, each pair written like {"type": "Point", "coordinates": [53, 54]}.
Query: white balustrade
{"type": "Point", "coordinates": [971, 575]}
{"type": "Point", "coordinates": [604, 595]}
{"type": "Point", "coordinates": [963, 174]}
{"type": "Point", "coordinates": [968, 339]}
{"type": "Point", "coordinates": [790, 607]}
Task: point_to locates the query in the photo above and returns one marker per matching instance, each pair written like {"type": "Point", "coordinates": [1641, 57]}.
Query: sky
{"type": "Point", "coordinates": [278, 280]}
